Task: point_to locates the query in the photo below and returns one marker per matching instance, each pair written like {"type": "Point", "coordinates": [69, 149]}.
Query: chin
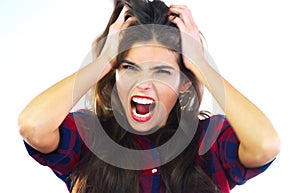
{"type": "Point", "coordinates": [144, 128]}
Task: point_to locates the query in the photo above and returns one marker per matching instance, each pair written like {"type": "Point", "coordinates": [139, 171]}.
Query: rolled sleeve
{"type": "Point", "coordinates": [236, 172]}
{"type": "Point", "coordinates": [65, 158]}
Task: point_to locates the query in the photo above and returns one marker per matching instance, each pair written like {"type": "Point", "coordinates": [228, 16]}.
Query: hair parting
{"type": "Point", "coordinates": [180, 175]}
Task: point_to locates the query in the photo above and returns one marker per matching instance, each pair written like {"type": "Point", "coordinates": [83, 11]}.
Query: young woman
{"type": "Point", "coordinates": [145, 132]}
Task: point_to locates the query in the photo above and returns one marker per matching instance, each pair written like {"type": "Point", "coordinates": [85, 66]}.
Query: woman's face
{"type": "Point", "coordinates": [148, 81]}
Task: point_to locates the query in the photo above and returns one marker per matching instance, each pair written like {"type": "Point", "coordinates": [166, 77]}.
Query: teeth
{"type": "Point", "coordinates": [144, 101]}
{"type": "Point", "coordinates": [139, 115]}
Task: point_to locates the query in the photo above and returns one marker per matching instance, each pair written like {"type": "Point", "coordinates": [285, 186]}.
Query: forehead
{"type": "Point", "coordinates": [152, 53]}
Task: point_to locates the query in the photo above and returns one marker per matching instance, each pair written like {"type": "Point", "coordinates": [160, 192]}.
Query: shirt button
{"type": "Point", "coordinates": [154, 171]}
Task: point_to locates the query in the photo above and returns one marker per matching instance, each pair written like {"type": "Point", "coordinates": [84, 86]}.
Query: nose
{"type": "Point", "coordinates": [146, 85]}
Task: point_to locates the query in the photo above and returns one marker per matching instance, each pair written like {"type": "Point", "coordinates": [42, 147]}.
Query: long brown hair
{"type": "Point", "coordinates": [180, 174]}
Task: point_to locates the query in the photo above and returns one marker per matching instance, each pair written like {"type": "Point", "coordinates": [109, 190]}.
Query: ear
{"type": "Point", "coordinates": [185, 86]}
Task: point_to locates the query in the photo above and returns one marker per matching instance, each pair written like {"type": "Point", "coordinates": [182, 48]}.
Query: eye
{"type": "Point", "coordinates": [161, 71]}
{"type": "Point", "coordinates": [129, 67]}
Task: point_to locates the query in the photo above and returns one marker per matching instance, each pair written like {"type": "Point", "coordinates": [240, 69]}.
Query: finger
{"type": "Point", "coordinates": [190, 30]}
{"type": "Point", "coordinates": [121, 18]}
{"type": "Point", "coordinates": [178, 6]}
{"type": "Point", "coordinates": [129, 21]}
{"type": "Point", "coordinates": [178, 22]}
{"type": "Point", "coordinates": [184, 13]}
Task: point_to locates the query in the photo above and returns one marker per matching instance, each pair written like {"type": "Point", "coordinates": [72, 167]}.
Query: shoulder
{"type": "Point", "coordinates": [218, 147]}
{"type": "Point", "coordinates": [215, 129]}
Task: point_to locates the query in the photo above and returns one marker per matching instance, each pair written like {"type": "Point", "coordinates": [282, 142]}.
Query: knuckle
{"type": "Point", "coordinates": [186, 9]}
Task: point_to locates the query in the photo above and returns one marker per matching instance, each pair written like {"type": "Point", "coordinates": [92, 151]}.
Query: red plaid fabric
{"type": "Point", "coordinates": [220, 162]}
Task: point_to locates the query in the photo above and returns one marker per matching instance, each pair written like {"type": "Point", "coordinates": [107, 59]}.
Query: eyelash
{"type": "Point", "coordinates": [129, 67]}
{"type": "Point", "coordinates": [164, 72]}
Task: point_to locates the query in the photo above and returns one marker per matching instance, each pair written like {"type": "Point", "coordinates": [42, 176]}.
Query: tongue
{"type": "Point", "coordinates": [142, 109]}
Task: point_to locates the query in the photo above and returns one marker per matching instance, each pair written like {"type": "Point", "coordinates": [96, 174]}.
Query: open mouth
{"type": "Point", "coordinates": [142, 108]}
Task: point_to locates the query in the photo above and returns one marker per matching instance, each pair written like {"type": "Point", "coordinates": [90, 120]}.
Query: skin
{"type": "Point", "coordinates": [259, 142]}
{"type": "Point", "coordinates": [38, 122]}
{"type": "Point", "coordinates": [154, 76]}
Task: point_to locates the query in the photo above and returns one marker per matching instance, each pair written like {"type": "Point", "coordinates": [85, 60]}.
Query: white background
{"type": "Point", "coordinates": [255, 45]}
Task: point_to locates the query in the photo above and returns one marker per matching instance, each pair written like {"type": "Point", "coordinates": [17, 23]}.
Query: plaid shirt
{"type": "Point", "coordinates": [220, 161]}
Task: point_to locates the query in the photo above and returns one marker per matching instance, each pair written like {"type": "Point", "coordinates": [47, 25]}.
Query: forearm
{"type": "Point", "coordinates": [259, 142]}
{"type": "Point", "coordinates": [40, 119]}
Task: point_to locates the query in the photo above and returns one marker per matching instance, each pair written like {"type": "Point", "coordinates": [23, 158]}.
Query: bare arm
{"type": "Point", "coordinates": [259, 142]}
{"type": "Point", "coordinates": [40, 119]}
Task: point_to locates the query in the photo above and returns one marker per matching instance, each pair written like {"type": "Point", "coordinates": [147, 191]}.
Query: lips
{"type": "Point", "coordinates": [141, 108]}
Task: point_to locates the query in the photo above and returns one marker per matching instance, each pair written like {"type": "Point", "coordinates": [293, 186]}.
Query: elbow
{"type": "Point", "coordinates": [271, 147]}
{"type": "Point", "coordinates": [38, 138]}
{"type": "Point", "coordinates": [27, 128]}
{"type": "Point", "coordinates": [269, 150]}
{"type": "Point", "coordinates": [261, 153]}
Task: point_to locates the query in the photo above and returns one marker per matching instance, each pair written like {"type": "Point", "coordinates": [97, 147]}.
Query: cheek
{"type": "Point", "coordinates": [123, 88]}
{"type": "Point", "coordinates": [125, 79]}
{"type": "Point", "coordinates": [168, 96]}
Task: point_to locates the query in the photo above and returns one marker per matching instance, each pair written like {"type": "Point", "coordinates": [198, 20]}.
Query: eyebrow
{"type": "Point", "coordinates": [128, 62]}
{"type": "Point", "coordinates": [153, 68]}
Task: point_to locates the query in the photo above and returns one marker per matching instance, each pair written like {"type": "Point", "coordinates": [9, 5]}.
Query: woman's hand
{"type": "Point", "coordinates": [110, 49]}
{"type": "Point", "coordinates": [192, 47]}
{"type": "Point", "coordinates": [40, 119]}
{"type": "Point", "coordinates": [111, 44]}
{"type": "Point", "coordinates": [259, 141]}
